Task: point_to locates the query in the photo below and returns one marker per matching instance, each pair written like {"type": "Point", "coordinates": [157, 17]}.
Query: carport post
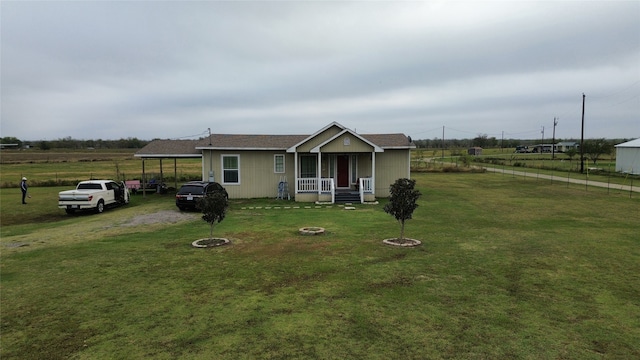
{"type": "Point", "coordinates": [144, 180]}
{"type": "Point", "coordinates": [161, 178]}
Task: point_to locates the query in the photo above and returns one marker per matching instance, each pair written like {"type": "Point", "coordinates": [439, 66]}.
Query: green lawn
{"type": "Point", "coordinates": [509, 268]}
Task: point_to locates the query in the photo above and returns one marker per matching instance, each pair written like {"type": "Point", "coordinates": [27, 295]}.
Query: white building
{"type": "Point", "coordinates": [628, 157]}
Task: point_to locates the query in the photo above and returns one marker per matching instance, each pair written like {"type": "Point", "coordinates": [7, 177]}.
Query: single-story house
{"type": "Point", "coordinates": [564, 146]}
{"type": "Point", "coordinates": [628, 157]}
{"type": "Point", "coordinates": [319, 167]}
{"type": "Point", "coordinates": [475, 151]}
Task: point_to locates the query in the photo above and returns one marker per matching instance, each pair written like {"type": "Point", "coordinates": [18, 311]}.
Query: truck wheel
{"type": "Point", "coordinates": [100, 207]}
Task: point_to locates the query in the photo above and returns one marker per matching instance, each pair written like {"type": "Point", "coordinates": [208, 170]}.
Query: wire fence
{"type": "Point", "coordinates": [615, 185]}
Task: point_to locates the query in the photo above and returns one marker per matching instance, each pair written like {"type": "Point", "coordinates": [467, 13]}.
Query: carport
{"type": "Point", "coordinates": [167, 149]}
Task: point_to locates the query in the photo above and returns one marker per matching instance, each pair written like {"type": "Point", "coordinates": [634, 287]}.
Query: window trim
{"type": "Point", "coordinates": [275, 163]}
{"type": "Point", "coordinates": [237, 156]}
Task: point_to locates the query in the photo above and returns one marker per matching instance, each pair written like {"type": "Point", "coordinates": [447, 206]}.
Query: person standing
{"type": "Point", "coordinates": [23, 187]}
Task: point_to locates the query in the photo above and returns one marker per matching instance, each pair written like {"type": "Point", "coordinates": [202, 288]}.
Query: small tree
{"type": "Point", "coordinates": [402, 201]}
{"type": "Point", "coordinates": [571, 153]}
{"type": "Point", "coordinates": [214, 208]}
{"type": "Point", "coordinates": [596, 147]}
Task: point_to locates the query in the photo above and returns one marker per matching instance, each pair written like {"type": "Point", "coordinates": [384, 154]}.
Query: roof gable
{"type": "Point", "coordinates": [346, 141]}
{"type": "Point", "coordinates": [316, 138]}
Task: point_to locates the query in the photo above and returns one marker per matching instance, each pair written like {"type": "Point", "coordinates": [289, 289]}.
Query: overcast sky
{"type": "Point", "coordinates": [173, 69]}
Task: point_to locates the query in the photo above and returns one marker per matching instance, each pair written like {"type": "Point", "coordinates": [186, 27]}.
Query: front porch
{"type": "Point", "coordinates": [324, 190]}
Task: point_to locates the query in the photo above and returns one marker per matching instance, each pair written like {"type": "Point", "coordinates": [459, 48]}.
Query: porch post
{"type": "Point", "coordinates": [373, 172]}
{"type": "Point", "coordinates": [203, 165]}
{"type": "Point", "coordinates": [295, 166]}
{"type": "Point", "coordinates": [319, 174]}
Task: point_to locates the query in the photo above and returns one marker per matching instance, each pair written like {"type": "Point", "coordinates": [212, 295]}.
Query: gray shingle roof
{"type": "Point", "coordinates": [389, 140]}
{"type": "Point", "coordinates": [193, 148]}
{"type": "Point", "coordinates": [278, 142]}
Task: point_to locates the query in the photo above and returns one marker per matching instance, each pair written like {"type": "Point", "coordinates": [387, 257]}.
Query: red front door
{"type": "Point", "coordinates": [343, 171]}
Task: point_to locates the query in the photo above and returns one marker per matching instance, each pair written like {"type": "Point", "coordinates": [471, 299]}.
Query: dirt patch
{"type": "Point", "coordinates": [164, 216]}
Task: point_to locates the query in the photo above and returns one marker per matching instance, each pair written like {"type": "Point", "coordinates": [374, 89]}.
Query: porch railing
{"type": "Point", "coordinates": [327, 185]}
{"type": "Point", "coordinates": [320, 186]}
{"type": "Point", "coordinates": [307, 184]}
{"type": "Point", "coordinates": [366, 187]}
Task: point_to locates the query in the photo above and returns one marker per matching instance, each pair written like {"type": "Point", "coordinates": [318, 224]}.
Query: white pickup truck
{"type": "Point", "coordinates": [93, 195]}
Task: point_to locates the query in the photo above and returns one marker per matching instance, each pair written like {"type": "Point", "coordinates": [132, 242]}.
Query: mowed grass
{"type": "Point", "coordinates": [509, 268]}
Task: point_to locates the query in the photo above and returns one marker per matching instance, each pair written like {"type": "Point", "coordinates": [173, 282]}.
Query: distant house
{"type": "Point", "coordinates": [475, 151]}
{"type": "Point", "coordinates": [566, 145]}
{"type": "Point", "coordinates": [316, 167]}
{"type": "Point", "coordinates": [542, 148]}
{"type": "Point", "coordinates": [628, 157]}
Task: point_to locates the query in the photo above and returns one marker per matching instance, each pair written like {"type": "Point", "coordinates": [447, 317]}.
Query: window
{"type": "Point", "coordinates": [230, 169]}
{"type": "Point", "coordinates": [278, 164]}
{"type": "Point", "coordinates": [308, 166]}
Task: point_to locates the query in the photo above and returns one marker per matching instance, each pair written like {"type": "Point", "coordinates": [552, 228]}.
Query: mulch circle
{"type": "Point", "coordinates": [406, 242]}
{"type": "Point", "coordinates": [206, 243]}
{"type": "Point", "coordinates": [311, 230]}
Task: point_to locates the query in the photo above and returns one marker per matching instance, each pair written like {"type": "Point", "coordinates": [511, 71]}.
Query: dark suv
{"type": "Point", "coordinates": [189, 193]}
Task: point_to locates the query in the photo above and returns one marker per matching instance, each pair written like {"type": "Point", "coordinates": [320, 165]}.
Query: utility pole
{"type": "Point", "coordinates": [553, 145]}
{"type": "Point", "coordinates": [502, 142]}
{"type": "Point", "coordinates": [582, 139]}
{"type": "Point", "coordinates": [542, 149]}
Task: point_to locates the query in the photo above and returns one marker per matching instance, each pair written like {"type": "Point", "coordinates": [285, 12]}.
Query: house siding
{"type": "Point", "coordinates": [390, 166]}
{"type": "Point", "coordinates": [364, 165]}
{"type": "Point", "coordinates": [258, 178]}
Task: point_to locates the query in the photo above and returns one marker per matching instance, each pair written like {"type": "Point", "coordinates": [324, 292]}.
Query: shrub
{"type": "Point", "coordinates": [214, 208]}
{"type": "Point", "coordinates": [402, 201]}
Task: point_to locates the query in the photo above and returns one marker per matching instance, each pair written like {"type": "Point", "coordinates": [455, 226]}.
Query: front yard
{"type": "Point", "coordinates": [508, 268]}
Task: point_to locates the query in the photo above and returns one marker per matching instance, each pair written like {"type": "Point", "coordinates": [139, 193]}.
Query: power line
{"type": "Point", "coordinates": [616, 92]}
{"type": "Point", "coordinates": [190, 136]}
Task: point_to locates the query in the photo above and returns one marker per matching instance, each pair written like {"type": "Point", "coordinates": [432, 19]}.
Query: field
{"type": "Point", "coordinates": [50, 168]}
{"type": "Point", "coordinates": [510, 268]}
{"type": "Point", "coordinates": [506, 160]}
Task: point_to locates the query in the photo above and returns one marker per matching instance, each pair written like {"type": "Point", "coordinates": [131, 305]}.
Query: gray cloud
{"type": "Point", "coordinates": [171, 69]}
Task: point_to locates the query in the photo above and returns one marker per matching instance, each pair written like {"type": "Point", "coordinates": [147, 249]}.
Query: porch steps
{"type": "Point", "coordinates": [347, 197]}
